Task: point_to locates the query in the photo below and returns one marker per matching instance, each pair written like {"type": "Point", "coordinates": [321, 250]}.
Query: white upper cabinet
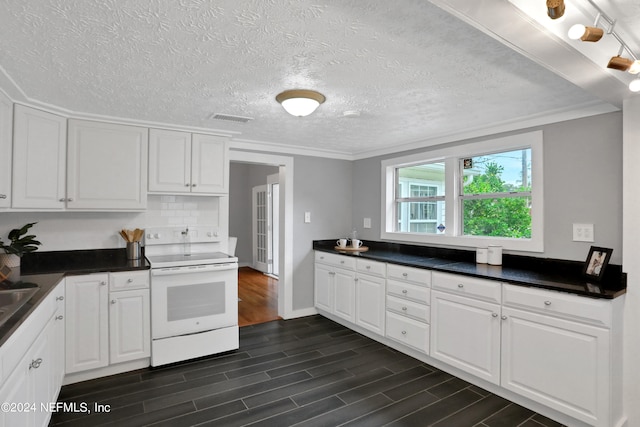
{"type": "Point", "coordinates": [39, 154]}
{"type": "Point", "coordinates": [6, 133]}
{"type": "Point", "coordinates": [107, 166]}
{"type": "Point", "coordinates": [181, 162]}
{"type": "Point", "coordinates": [209, 164]}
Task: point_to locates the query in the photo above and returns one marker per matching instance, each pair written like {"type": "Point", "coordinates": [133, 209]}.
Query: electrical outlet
{"type": "Point", "coordinates": [583, 233]}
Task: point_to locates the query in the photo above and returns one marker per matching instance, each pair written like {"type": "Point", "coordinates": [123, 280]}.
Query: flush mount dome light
{"type": "Point", "coordinates": [300, 102]}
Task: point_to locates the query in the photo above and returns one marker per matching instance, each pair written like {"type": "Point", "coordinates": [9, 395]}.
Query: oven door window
{"type": "Point", "coordinates": [193, 301]}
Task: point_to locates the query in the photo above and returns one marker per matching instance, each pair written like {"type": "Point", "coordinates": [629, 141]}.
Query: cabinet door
{"type": "Point", "coordinates": [209, 164]}
{"type": "Point", "coordinates": [169, 161]}
{"type": "Point", "coordinates": [16, 390]}
{"type": "Point", "coordinates": [323, 287]}
{"type": "Point", "coordinates": [58, 342]}
{"type": "Point", "coordinates": [465, 333]}
{"type": "Point", "coordinates": [41, 374]}
{"type": "Point", "coordinates": [87, 323]}
{"type": "Point", "coordinates": [559, 363]}
{"type": "Point", "coordinates": [39, 159]}
{"type": "Point", "coordinates": [370, 303]}
{"type": "Point", "coordinates": [6, 135]}
{"type": "Point", "coordinates": [107, 166]}
{"type": "Point", "coordinates": [129, 326]}
{"type": "Point", "coordinates": [345, 294]}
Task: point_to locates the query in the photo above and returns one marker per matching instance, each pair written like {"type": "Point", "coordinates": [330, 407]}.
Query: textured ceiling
{"type": "Point", "coordinates": [413, 71]}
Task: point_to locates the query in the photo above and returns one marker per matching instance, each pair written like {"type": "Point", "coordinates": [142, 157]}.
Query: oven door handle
{"type": "Point", "coordinates": [193, 269]}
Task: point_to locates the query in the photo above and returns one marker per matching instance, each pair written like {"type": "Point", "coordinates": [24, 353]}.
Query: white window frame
{"type": "Point", "coordinates": [453, 212]}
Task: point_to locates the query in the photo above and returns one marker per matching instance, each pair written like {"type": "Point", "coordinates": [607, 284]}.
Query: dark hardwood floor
{"type": "Point", "coordinates": [258, 297]}
{"type": "Point", "coordinates": [304, 372]}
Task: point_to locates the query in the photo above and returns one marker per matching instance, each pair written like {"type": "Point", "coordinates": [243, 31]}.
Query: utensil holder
{"type": "Point", "coordinates": [134, 250]}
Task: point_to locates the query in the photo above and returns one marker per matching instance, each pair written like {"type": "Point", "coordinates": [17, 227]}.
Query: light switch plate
{"type": "Point", "coordinates": [307, 217]}
{"type": "Point", "coordinates": [367, 223]}
{"type": "Point", "coordinates": [583, 233]}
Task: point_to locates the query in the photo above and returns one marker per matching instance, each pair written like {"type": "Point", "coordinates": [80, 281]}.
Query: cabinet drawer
{"type": "Point", "coordinates": [415, 275]}
{"type": "Point", "coordinates": [408, 331]}
{"type": "Point", "coordinates": [411, 309]}
{"type": "Point", "coordinates": [336, 260]}
{"type": "Point", "coordinates": [128, 280]}
{"type": "Point", "coordinates": [487, 290]}
{"type": "Point", "coordinates": [559, 304]}
{"type": "Point", "coordinates": [409, 291]}
{"type": "Point", "coordinates": [371, 267]}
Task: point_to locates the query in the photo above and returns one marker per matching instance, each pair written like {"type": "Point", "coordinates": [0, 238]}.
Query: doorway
{"type": "Point", "coordinates": [265, 226]}
{"type": "Point", "coordinates": [282, 203]}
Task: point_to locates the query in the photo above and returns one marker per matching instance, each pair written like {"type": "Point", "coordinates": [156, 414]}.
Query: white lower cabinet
{"type": "Point", "coordinates": [567, 365]}
{"type": "Point", "coordinates": [107, 322]}
{"type": "Point", "coordinates": [344, 304]}
{"type": "Point", "coordinates": [465, 333]}
{"type": "Point", "coordinates": [87, 325]}
{"type": "Point", "coordinates": [370, 294]}
{"type": "Point", "coordinates": [31, 364]}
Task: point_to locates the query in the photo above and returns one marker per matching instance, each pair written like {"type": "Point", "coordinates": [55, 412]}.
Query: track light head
{"type": "Point", "coordinates": [619, 63]}
{"type": "Point", "coordinates": [555, 8]}
{"type": "Point", "coordinates": [586, 34]}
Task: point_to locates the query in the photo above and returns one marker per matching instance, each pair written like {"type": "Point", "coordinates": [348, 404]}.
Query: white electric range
{"type": "Point", "coordinates": [194, 294]}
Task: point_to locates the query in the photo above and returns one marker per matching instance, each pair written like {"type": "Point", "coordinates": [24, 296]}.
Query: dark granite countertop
{"type": "Point", "coordinates": [558, 275]}
{"type": "Point", "coordinates": [46, 269]}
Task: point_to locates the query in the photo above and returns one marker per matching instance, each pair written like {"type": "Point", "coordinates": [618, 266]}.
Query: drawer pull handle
{"type": "Point", "coordinates": [405, 274]}
{"type": "Point", "coordinates": [332, 273]}
{"type": "Point", "coordinates": [356, 279]}
{"type": "Point", "coordinates": [404, 332]}
{"type": "Point", "coordinates": [404, 291]}
{"type": "Point", "coordinates": [35, 364]}
{"type": "Point", "coordinates": [494, 314]}
{"type": "Point", "coordinates": [547, 303]}
{"type": "Point", "coordinates": [129, 280]}
{"type": "Point", "coordinates": [103, 283]}
{"type": "Point", "coordinates": [404, 308]}
{"type": "Point", "coordinates": [3, 196]}
{"type": "Point", "coordinates": [341, 262]}
{"type": "Point", "coordinates": [368, 267]}
{"type": "Point", "coordinates": [113, 301]}
{"type": "Point", "coordinates": [504, 317]}
{"type": "Point", "coordinates": [460, 285]}
{"type": "Point", "coordinates": [59, 317]}
{"type": "Point", "coordinates": [60, 298]}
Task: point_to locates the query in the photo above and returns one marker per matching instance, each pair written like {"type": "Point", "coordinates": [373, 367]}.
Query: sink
{"type": "Point", "coordinates": [12, 300]}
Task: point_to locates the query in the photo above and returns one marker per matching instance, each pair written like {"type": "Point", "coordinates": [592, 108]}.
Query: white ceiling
{"type": "Point", "coordinates": [417, 74]}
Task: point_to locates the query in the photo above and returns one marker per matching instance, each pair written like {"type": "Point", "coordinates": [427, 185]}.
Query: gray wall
{"type": "Point", "coordinates": [583, 184]}
{"type": "Point", "coordinates": [322, 187]}
{"type": "Point", "coordinates": [242, 178]}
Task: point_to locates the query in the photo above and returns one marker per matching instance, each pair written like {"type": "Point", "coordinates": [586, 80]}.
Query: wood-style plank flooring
{"type": "Point", "coordinates": [303, 372]}
{"type": "Point", "coordinates": [258, 297]}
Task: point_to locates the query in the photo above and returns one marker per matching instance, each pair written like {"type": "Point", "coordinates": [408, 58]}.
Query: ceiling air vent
{"type": "Point", "coordinates": [231, 118]}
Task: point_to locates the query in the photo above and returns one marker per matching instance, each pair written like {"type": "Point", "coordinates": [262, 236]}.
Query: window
{"type": "Point", "coordinates": [474, 195]}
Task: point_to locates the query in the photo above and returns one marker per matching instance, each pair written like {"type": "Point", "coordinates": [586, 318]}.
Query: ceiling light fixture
{"type": "Point", "coordinates": [555, 8]}
{"type": "Point", "coordinates": [595, 33]}
{"type": "Point", "coordinates": [300, 102]}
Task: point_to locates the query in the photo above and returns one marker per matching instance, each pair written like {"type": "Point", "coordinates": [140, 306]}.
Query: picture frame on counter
{"type": "Point", "coordinates": [596, 262]}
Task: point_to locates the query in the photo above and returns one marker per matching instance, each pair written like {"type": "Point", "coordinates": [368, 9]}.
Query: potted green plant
{"type": "Point", "coordinates": [18, 245]}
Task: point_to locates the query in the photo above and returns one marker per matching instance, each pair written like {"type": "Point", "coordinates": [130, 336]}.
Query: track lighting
{"type": "Point", "coordinates": [619, 63]}
{"type": "Point", "coordinates": [555, 8]}
{"type": "Point", "coordinates": [586, 34]}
